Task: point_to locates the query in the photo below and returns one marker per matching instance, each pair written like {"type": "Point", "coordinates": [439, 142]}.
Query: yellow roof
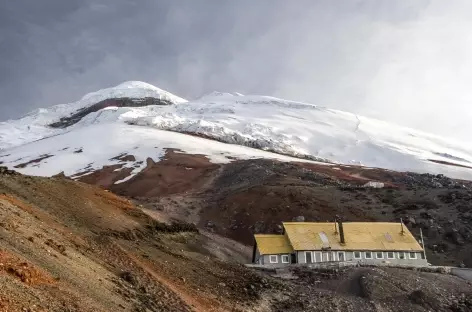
{"type": "Point", "coordinates": [358, 236]}
{"type": "Point", "coordinates": [269, 244]}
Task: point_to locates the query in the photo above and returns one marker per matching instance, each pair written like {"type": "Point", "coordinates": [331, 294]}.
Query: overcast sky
{"type": "Point", "coordinates": [406, 61]}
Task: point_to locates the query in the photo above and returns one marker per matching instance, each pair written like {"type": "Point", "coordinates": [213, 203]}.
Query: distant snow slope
{"type": "Point", "coordinates": [216, 94]}
{"type": "Point", "coordinates": [267, 123]}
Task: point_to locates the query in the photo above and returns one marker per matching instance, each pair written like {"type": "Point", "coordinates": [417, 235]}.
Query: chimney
{"type": "Point", "coordinates": [341, 233]}
{"type": "Point", "coordinates": [401, 223]}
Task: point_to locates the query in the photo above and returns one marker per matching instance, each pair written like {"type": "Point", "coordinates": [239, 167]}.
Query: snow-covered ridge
{"type": "Point", "coordinates": [217, 94]}
{"type": "Point", "coordinates": [129, 89]}
{"type": "Point", "coordinates": [34, 125]}
{"type": "Point", "coordinates": [132, 89]}
{"type": "Point", "coordinates": [262, 122]}
{"type": "Point", "coordinates": [300, 129]}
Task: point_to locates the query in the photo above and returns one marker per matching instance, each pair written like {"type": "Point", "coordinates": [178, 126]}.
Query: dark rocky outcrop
{"type": "Point", "coordinates": [6, 171]}
{"type": "Point", "coordinates": [119, 102]}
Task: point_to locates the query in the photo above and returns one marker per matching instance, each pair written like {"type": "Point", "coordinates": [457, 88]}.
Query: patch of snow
{"type": "Point", "coordinates": [102, 142]}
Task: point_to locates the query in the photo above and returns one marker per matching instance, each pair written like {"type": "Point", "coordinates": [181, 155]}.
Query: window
{"type": "Point", "coordinates": [357, 255]}
{"type": "Point", "coordinates": [401, 255]}
{"type": "Point", "coordinates": [324, 238]}
{"type": "Point", "coordinates": [379, 255]}
{"type": "Point", "coordinates": [317, 256]}
{"type": "Point", "coordinates": [390, 255]}
{"type": "Point", "coordinates": [412, 255]}
{"type": "Point", "coordinates": [285, 259]}
{"type": "Point", "coordinates": [308, 257]}
{"type": "Point", "coordinates": [368, 254]}
{"type": "Point", "coordinates": [325, 256]}
{"type": "Point", "coordinates": [341, 256]}
{"type": "Point", "coordinates": [273, 259]}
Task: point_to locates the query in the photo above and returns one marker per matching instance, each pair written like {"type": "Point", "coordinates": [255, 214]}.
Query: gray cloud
{"type": "Point", "coordinates": [404, 61]}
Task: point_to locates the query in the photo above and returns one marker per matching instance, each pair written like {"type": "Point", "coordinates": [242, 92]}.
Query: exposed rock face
{"type": "Point", "coordinates": [6, 171]}
{"type": "Point", "coordinates": [371, 288]}
{"type": "Point", "coordinates": [438, 181]}
{"type": "Point", "coordinates": [121, 102]}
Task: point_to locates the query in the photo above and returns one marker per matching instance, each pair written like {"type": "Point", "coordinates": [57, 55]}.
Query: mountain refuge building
{"type": "Point", "coordinates": [373, 243]}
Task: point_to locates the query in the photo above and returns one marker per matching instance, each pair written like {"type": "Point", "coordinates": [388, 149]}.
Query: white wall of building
{"type": "Point", "coordinates": [366, 257]}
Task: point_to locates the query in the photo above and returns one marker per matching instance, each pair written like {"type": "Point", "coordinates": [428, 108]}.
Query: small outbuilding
{"type": "Point", "coordinates": [373, 184]}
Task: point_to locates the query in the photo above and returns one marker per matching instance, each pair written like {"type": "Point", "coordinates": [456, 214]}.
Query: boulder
{"type": "Point", "coordinates": [6, 171]}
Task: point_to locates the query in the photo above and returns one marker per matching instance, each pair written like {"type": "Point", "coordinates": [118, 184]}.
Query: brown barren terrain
{"type": "Point", "coordinates": [177, 239]}
{"type": "Point", "coordinates": [68, 246]}
{"type": "Point", "coordinates": [245, 197]}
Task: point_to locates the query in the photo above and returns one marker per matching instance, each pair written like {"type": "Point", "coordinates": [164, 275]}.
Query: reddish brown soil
{"type": "Point", "coordinates": [68, 246]}
{"type": "Point", "coordinates": [356, 175]}
{"type": "Point", "coordinates": [240, 214]}
{"type": "Point", "coordinates": [176, 173]}
{"type": "Point", "coordinates": [124, 158]}
{"type": "Point", "coordinates": [22, 270]}
{"type": "Point", "coordinates": [104, 177]}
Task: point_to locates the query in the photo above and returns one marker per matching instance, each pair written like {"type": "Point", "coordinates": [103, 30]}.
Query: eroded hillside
{"type": "Point", "coordinates": [69, 246]}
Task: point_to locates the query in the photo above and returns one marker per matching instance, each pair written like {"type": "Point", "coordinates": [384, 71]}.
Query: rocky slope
{"type": "Point", "coordinates": [245, 197]}
{"type": "Point", "coordinates": [68, 246]}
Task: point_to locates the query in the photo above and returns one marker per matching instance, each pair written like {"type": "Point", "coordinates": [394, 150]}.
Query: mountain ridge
{"type": "Point", "coordinates": [295, 129]}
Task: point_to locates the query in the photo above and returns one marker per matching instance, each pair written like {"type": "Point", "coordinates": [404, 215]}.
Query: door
{"type": "Point", "coordinates": [308, 257]}
{"type": "Point", "coordinates": [293, 257]}
{"type": "Point", "coordinates": [341, 257]}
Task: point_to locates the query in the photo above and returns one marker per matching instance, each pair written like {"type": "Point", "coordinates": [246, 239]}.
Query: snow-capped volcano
{"type": "Point", "coordinates": [84, 136]}
{"type": "Point", "coordinates": [36, 124]}
{"type": "Point", "coordinates": [130, 89]}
